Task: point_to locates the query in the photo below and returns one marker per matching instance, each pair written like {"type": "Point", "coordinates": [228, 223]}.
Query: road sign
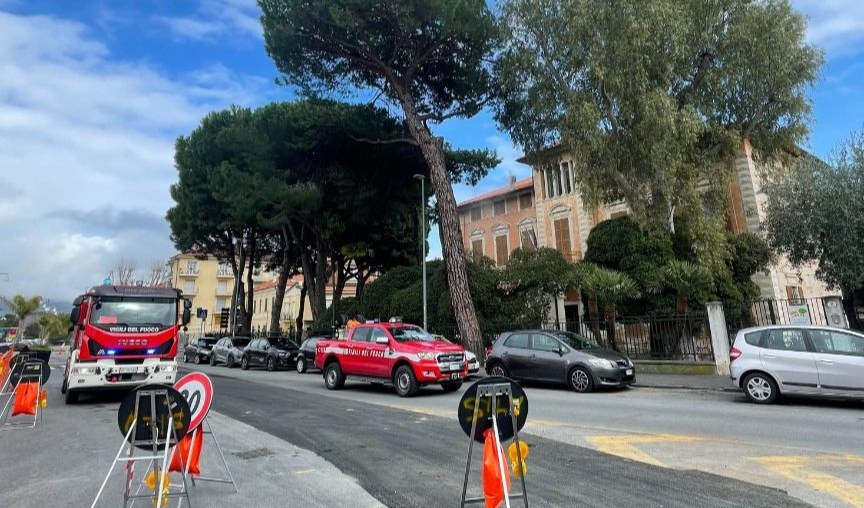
{"type": "Point", "coordinates": [201, 313]}
{"type": "Point", "coordinates": [26, 367]}
{"type": "Point", "coordinates": [171, 406]}
{"type": "Point", "coordinates": [484, 422]}
{"type": "Point", "coordinates": [197, 389]}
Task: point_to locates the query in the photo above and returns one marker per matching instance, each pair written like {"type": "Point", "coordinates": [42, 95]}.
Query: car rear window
{"type": "Point", "coordinates": [752, 338]}
{"type": "Point", "coordinates": [517, 340]}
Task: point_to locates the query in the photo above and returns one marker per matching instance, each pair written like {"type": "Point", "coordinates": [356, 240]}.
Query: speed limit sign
{"type": "Point", "coordinates": [197, 389]}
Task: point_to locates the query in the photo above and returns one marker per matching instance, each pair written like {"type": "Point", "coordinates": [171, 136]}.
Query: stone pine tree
{"type": "Point", "coordinates": [653, 98]}
{"type": "Point", "coordinates": [427, 56]}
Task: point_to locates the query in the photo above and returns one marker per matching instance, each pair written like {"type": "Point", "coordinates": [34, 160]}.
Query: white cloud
{"type": "Point", "coordinates": [836, 25]}
{"type": "Point", "coordinates": [216, 18]}
{"type": "Point", "coordinates": [85, 136]}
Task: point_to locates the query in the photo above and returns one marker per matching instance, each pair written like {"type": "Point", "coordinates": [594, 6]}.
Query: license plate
{"type": "Point", "coordinates": [127, 370]}
{"type": "Point", "coordinates": [457, 375]}
{"type": "Point", "coordinates": [628, 372]}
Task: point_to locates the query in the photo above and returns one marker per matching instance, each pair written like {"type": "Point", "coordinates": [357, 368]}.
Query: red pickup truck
{"type": "Point", "coordinates": [392, 353]}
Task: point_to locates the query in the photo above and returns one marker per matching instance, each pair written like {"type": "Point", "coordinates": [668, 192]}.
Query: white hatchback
{"type": "Point", "coordinates": [769, 361]}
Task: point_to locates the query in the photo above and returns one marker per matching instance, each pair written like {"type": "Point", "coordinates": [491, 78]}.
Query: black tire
{"type": "Point", "coordinates": [301, 365]}
{"type": "Point", "coordinates": [244, 362]}
{"type": "Point", "coordinates": [212, 360]}
{"type": "Point", "coordinates": [451, 387]}
{"type": "Point", "coordinates": [229, 362]}
{"type": "Point", "coordinates": [581, 380]}
{"type": "Point", "coordinates": [271, 363]}
{"type": "Point", "coordinates": [71, 396]}
{"type": "Point", "coordinates": [405, 381]}
{"type": "Point", "coordinates": [185, 358]}
{"type": "Point", "coordinates": [63, 386]}
{"type": "Point", "coordinates": [334, 379]}
{"type": "Point", "coordinates": [760, 388]}
{"type": "Point", "coordinates": [197, 359]}
{"type": "Point", "coordinates": [498, 369]}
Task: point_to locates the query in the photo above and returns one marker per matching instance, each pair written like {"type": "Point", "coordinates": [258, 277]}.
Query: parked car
{"type": "Point", "coordinates": [306, 356]}
{"type": "Point", "coordinates": [229, 350]}
{"type": "Point", "coordinates": [558, 357]}
{"type": "Point", "coordinates": [272, 352]}
{"type": "Point", "coordinates": [198, 350]}
{"type": "Point", "coordinates": [470, 358]}
{"type": "Point", "coordinates": [769, 361]}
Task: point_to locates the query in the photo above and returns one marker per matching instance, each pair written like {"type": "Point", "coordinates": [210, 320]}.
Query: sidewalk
{"type": "Point", "coordinates": [684, 381]}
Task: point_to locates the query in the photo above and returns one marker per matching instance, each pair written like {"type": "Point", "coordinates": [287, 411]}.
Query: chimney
{"type": "Point", "coordinates": [511, 178]}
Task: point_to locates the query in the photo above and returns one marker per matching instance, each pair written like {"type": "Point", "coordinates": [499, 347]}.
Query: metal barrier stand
{"type": "Point", "coordinates": [493, 391]}
{"type": "Point", "coordinates": [34, 376]}
{"type": "Point", "coordinates": [209, 431]}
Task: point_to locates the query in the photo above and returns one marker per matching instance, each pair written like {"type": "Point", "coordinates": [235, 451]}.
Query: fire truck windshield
{"type": "Point", "coordinates": [161, 312]}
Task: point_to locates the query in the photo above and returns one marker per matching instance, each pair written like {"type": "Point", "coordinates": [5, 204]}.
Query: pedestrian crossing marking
{"type": "Point", "coordinates": [798, 468]}
{"type": "Point", "coordinates": [624, 446]}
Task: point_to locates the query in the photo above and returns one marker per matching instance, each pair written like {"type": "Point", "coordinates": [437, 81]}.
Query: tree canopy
{"type": "Point", "coordinates": [652, 98]}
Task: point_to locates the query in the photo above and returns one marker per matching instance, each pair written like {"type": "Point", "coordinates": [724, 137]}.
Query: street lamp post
{"type": "Point", "coordinates": [423, 239]}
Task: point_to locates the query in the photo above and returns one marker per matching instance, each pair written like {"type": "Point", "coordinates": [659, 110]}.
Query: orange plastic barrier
{"type": "Point", "coordinates": [25, 399]}
{"type": "Point", "coordinates": [181, 451]}
{"type": "Point", "coordinates": [491, 472]}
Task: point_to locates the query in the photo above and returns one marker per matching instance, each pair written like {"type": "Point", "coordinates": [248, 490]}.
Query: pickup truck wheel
{"type": "Point", "coordinates": [212, 360]}
{"type": "Point", "coordinates": [301, 365]}
{"type": "Point", "coordinates": [405, 381]}
{"type": "Point", "coordinates": [244, 363]}
{"type": "Point", "coordinates": [451, 387]}
{"type": "Point", "coordinates": [334, 379]}
{"type": "Point", "coordinates": [271, 364]}
{"type": "Point", "coordinates": [229, 362]}
{"type": "Point", "coordinates": [71, 396]}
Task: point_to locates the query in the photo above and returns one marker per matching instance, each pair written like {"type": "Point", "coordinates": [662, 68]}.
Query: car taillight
{"type": "Point", "coordinates": [734, 353]}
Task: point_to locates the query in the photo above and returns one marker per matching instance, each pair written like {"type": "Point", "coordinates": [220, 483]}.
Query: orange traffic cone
{"type": "Point", "coordinates": [493, 490]}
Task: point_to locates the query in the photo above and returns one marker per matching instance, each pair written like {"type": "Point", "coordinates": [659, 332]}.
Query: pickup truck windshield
{"type": "Point", "coordinates": [161, 312]}
{"type": "Point", "coordinates": [410, 334]}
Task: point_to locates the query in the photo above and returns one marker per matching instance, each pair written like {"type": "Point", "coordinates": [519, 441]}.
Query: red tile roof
{"type": "Point", "coordinates": [502, 191]}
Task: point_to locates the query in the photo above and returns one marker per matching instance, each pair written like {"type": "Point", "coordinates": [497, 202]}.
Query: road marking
{"type": "Point", "coordinates": [623, 446]}
{"type": "Point", "coordinates": [796, 468]}
{"type": "Point", "coordinates": [304, 471]}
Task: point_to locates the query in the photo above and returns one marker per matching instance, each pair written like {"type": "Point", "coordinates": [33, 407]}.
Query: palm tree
{"type": "Point", "coordinates": [608, 288]}
{"type": "Point", "coordinates": [688, 281]}
{"type": "Point", "coordinates": [23, 309]}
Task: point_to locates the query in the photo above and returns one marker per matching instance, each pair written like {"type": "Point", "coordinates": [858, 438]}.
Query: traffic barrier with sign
{"type": "Point", "coordinates": [492, 411]}
{"type": "Point", "coordinates": [24, 384]}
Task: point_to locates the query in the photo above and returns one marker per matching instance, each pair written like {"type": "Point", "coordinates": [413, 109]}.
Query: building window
{"type": "Point", "coordinates": [501, 249]}
{"type": "Point", "coordinates": [224, 269]}
{"type": "Point", "coordinates": [618, 215]}
{"type": "Point", "coordinates": [525, 201]}
{"type": "Point", "coordinates": [795, 293]}
{"type": "Point", "coordinates": [189, 286]}
{"type": "Point", "coordinates": [192, 267]}
{"type": "Point", "coordinates": [477, 247]}
{"type": "Point", "coordinates": [566, 180]}
{"type": "Point", "coordinates": [550, 191]}
{"type": "Point", "coordinates": [265, 305]}
{"type": "Point", "coordinates": [500, 207]}
{"type": "Point", "coordinates": [529, 240]}
{"type": "Point", "coordinates": [476, 213]}
{"type": "Point", "coordinates": [562, 237]}
{"type": "Point", "coordinates": [222, 287]}
{"type": "Point", "coordinates": [221, 303]}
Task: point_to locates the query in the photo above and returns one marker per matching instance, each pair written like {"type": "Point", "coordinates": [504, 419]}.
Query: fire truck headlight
{"type": "Point", "coordinates": [84, 371]}
{"type": "Point", "coordinates": [169, 368]}
{"type": "Point", "coordinates": [426, 356]}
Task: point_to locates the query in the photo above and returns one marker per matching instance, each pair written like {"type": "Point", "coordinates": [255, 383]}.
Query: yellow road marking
{"type": "Point", "coordinates": [795, 468]}
{"type": "Point", "coordinates": [304, 471]}
{"type": "Point", "coordinates": [623, 446]}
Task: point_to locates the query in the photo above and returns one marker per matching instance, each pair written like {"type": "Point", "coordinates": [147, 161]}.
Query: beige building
{"type": "Point", "coordinates": [207, 282]}
{"type": "Point", "coordinates": [561, 220]}
{"type": "Point", "coordinates": [265, 298]}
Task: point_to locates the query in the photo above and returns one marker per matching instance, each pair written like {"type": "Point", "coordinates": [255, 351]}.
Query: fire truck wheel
{"type": "Point", "coordinates": [244, 363]}
{"type": "Point", "coordinates": [451, 387]}
{"type": "Point", "coordinates": [71, 396]}
{"type": "Point", "coordinates": [63, 386]}
{"type": "Point", "coordinates": [333, 377]}
{"type": "Point", "coordinates": [405, 381]}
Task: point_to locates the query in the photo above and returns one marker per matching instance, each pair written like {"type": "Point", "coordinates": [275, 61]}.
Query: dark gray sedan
{"type": "Point", "coordinates": [558, 357]}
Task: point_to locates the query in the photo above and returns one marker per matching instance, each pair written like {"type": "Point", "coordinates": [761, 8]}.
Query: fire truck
{"type": "Point", "coordinates": [403, 355]}
{"type": "Point", "coordinates": [122, 337]}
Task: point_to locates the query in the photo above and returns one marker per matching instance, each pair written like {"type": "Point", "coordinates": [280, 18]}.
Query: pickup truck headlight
{"type": "Point", "coordinates": [600, 362]}
{"type": "Point", "coordinates": [426, 356]}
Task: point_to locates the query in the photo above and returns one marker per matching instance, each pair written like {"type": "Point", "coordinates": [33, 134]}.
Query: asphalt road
{"type": "Point", "coordinates": [407, 459]}
{"type": "Point", "coordinates": [812, 449]}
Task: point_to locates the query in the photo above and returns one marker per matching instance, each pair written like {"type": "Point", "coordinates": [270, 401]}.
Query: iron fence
{"type": "Point", "coordinates": [778, 311]}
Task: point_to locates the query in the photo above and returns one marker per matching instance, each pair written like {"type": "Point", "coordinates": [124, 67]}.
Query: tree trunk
{"type": "Point", "coordinates": [250, 288]}
{"type": "Point", "coordinates": [237, 266]}
{"type": "Point", "coordinates": [362, 277]}
{"type": "Point", "coordinates": [301, 311]}
{"type": "Point", "coordinates": [276, 311]}
{"type": "Point", "coordinates": [452, 249]}
{"type": "Point", "coordinates": [594, 319]}
{"type": "Point", "coordinates": [849, 302]}
{"type": "Point", "coordinates": [339, 286]}
{"type": "Point", "coordinates": [609, 313]}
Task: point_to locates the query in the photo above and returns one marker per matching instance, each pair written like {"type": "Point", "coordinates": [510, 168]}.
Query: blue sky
{"type": "Point", "coordinates": [93, 94]}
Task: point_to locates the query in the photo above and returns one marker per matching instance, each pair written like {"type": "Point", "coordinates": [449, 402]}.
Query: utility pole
{"type": "Point", "coordinates": [422, 179]}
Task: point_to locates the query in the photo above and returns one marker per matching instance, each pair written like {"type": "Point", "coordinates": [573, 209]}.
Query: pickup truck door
{"type": "Point", "coordinates": [378, 359]}
{"type": "Point", "coordinates": [354, 361]}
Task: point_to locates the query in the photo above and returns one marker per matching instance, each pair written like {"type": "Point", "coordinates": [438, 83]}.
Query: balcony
{"type": "Point", "coordinates": [224, 273]}
{"type": "Point", "coordinates": [187, 273]}
{"type": "Point", "coordinates": [224, 292]}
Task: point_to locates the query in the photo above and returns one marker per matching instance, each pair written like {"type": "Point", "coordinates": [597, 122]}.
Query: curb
{"type": "Point", "coordinates": [683, 387]}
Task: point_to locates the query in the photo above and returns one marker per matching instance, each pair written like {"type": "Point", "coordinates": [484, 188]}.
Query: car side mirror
{"type": "Point", "coordinates": [382, 340]}
{"type": "Point", "coordinates": [562, 350]}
